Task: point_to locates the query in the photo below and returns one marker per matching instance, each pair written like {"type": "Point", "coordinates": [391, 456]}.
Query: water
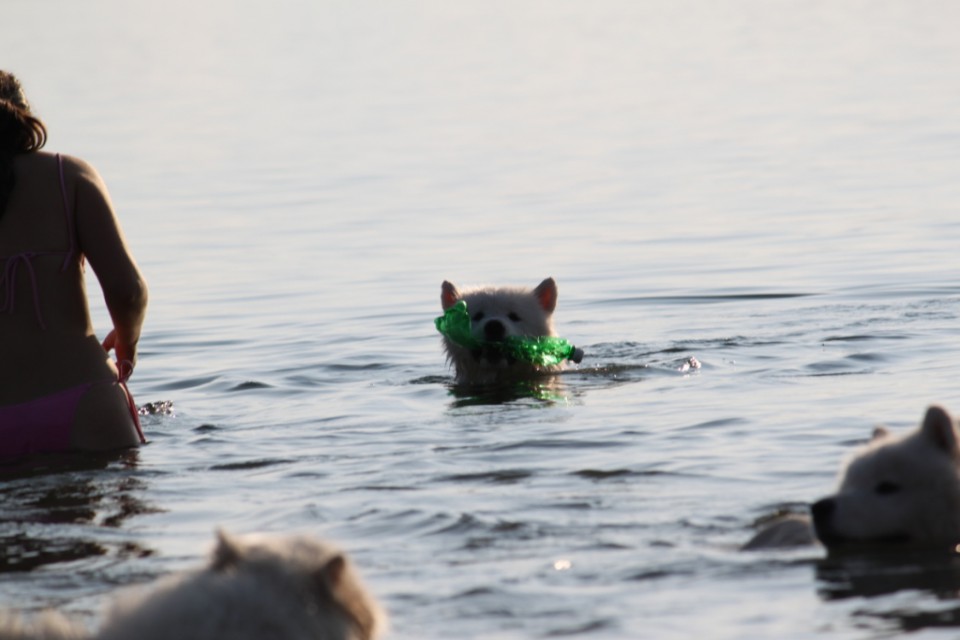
{"type": "Point", "coordinates": [769, 187]}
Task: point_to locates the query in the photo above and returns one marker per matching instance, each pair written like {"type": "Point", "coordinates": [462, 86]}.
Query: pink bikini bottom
{"type": "Point", "coordinates": [44, 425]}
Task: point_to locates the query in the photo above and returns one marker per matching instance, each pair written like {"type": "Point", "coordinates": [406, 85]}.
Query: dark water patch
{"type": "Point", "coordinates": [866, 337]}
{"type": "Point", "coordinates": [868, 357]}
{"type": "Point", "coordinates": [714, 424]}
{"type": "Point", "coordinates": [62, 463]}
{"type": "Point", "coordinates": [912, 290]}
{"type": "Point", "coordinates": [908, 620]}
{"type": "Point", "coordinates": [206, 428]}
{"type": "Point", "coordinates": [703, 299]}
{"type": "Point", "coordinates": [352, 368]}
{"type": "Point", "coordinates": [247, 465]}
{"type": "Point", "coordinates": [250, 385]}
{"type": "Point", "coordinates": [648, 575]}
{"type": "Point", "coordinates": [609, 474]}
{"type": "Point", "coordinates": [879, 571]}
{"type": "Point", "coordinates": [538, 393]}
{"type": "Point", "coordinates": [829, 368]}
{"type": "Point", "coordinates": [303, 381]}
{"type": "Point", "coordinates": [108, 502]}
{"type": "Point", "coordinates": [385, 487]}
{"type": "Point", "coordinates": [308, 475]}
{"type": "Point", "coordinates": [23, 552]}
{"type": "Point", "coordinates": [592, 626]}
{"type": "Point", "coordinates": [473, 593]}
{"type": "Point", "coordinates": [573, 505]}
{"type": "Point", "coordinates": [598, 474]}
{"type": "Point", "coordinates": [44, 506]}
{"type": "Point", "coordinates": [503, 476]}
{"type": "Point", "coordinates": [432, 380]}
{"type": "Point", "coordinates": [188, 383]}
{"type": "Point", "coordinates": [504, 533]}
{"type": "Point", "coordinates": [554, 443]}
{"type": "Point", "coordinates": [465, 523]}
{"type": "Point", "coordinates": [477, 533]}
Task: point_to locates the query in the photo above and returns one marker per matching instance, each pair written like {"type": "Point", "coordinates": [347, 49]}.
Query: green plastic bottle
{"type": "Point", "coordinates": [543, 351]}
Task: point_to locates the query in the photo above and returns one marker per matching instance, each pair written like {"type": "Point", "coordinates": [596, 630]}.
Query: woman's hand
{"type": "Point", "coordinates": [126, 354]}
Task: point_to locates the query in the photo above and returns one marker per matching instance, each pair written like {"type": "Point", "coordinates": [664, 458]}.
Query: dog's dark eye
{"type": "Point", "coordinates": [513, 316]}
{"type": "Point", "coordinates": [478, 316]}
{"type": "Point", "coordinates": [886, 488]}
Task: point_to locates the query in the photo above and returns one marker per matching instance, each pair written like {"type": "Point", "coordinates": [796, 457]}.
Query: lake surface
{"type": "Point", "coordinates": [769, 187]}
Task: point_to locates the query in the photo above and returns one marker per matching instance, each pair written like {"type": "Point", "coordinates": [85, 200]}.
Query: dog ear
{"type": "Point", "coordinates": [449, 295]}
{"type": "Point", "coordinates": [331, 574]}
{"type": "Point", "coordinates": [227, 552]}
{"type": "Point", "coordinates": [335, 580]}
{"type": "Point", "coordinates": [938, 427]}
{"type": "Point", "coordinates": [546, 294]}
{"type": "Point", "coordinates": [880, 432]}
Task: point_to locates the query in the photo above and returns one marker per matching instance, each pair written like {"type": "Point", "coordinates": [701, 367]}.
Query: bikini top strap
{"type": "Point", "coordinates": [68, 213]}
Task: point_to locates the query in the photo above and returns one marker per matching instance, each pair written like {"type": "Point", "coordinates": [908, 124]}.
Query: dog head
{"type": "Point", "coordinates": [498, 313]}
{"type": "Point", "coordinates": [323, 572]}
{"type": "Point", "coordinates": [898, 490]}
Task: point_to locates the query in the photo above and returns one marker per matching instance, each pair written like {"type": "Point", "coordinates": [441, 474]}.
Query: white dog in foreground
{"type": "Point", "coordinates": [254, 588]}
{"type": "Point", "coordinates": [898, 490]}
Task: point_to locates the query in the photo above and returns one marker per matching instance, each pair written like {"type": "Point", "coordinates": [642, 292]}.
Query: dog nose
{"type": "Point", "coordinates": [823, 509]}
{"type": "Point", "coordinates": [494, 330]}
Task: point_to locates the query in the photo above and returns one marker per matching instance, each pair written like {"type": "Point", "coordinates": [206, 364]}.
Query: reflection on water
{"type": "Point", "coordinates": [873, 573]}
{"type": "Point", "coordinates": [606, 366]}
{"type": "Point", "coordinates": [548, 390]}
{"type": "Point", "coordinates": [876, 574]}
{"type": "Point", "coordinates": [49, 504]}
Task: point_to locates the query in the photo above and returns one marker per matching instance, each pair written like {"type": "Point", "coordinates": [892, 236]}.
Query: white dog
{"type": "Point", "coordinates": [254, 588]}
{"type": "Point", "coordinates": [897, 490]}
{"type": "Point", "coordinates": [497, 313]}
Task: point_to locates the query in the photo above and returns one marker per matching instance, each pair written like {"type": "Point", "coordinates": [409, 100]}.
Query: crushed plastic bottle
{"type": "Point", "coordinates": [543, 351]}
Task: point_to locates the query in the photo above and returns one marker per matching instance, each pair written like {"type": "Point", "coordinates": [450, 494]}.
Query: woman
{"type": "Point", "coordinates": [59, 390]}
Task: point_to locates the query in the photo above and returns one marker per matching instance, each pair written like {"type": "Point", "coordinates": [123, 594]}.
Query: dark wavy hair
{"type": "Point", "coordinates": [20, 132]}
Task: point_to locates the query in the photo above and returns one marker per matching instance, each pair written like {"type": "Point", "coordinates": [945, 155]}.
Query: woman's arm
{"type": "Point", "coordinates": [102, 242]}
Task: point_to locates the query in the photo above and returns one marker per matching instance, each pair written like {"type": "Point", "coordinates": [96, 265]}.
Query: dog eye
{"type": "Point", "coordinates": [886, 488]}
{"type": "Point", "coordinates": [513, 316]}
{"type": "Point", "coordinates": [478, 316]}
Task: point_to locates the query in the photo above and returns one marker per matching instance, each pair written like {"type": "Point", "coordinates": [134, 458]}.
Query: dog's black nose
{"type": "Point", "coordinates": [823, 509]}
{"type": "Point", "coordinates": [494, 331]}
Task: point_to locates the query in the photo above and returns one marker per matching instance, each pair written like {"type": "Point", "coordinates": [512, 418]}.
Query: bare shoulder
{"type": "Point", "coordinates": [90, 193]}
{"type": "Point", "coordinates": [80, 170]}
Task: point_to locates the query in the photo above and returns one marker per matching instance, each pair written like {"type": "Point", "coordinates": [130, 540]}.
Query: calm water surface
{"type": "Point", "coordinates": [770, 187]}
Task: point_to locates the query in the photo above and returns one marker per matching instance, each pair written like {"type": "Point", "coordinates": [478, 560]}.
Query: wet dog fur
{"type": "Point", "coordinates": [254, 587]}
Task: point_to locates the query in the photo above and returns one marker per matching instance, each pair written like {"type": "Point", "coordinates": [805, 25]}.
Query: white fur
{"type": "Point", "coordinates": [254, 588]}
{"type": "Point", "coordinates": [519, 311]}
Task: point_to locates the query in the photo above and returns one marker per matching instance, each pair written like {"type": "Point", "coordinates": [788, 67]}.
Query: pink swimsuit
{"type": "Point", "coordinates": [44, 424]}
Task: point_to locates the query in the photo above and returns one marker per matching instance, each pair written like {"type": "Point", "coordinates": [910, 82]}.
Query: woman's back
{"type": "Point", "coordinates": [45, 316]}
